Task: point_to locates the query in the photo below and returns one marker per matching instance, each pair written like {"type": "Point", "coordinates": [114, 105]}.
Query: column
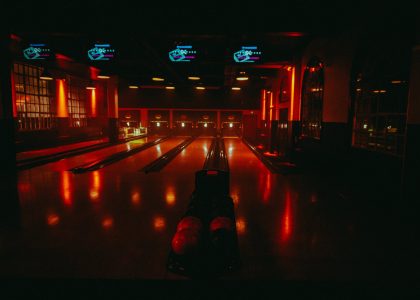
{"type": "Point", "coordinates": [218, 125]}
{"type": "Point", "coordinates": [62, 106]}
{"type": "Point", "coordinates": [9, 203]}
{"type": "Point", "coordinates": [411, 159]}
{"type": "Point", "coordinates": [171, 117]}
{"type": "Point", "coordinates": [112, 95]}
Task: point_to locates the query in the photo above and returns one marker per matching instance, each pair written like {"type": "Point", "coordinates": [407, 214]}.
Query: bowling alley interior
{"type": "Point", "coordinates": [241, 144]}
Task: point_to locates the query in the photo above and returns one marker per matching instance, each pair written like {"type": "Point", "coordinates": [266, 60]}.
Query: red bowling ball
{"type": "Point", "coordinates": [190, 222]}
{"type": "Point", "coordinates": [221, 223]}
{"type": "Point", "coordinates": [185, 241]}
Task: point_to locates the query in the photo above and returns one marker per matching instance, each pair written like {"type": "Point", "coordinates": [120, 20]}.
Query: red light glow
{"type": "Point", "coordinates": [107, 223]}
{"type": "Point", "coordinates": [292, 94]}
{"type": "Point", "coordinates": [240, 226]}
{"type": "Point", "coordinates": [62, 109]}
{"type": "Point", "coordinates": [159, 223]}
{"type": "Point", "coordinates": [135, 198]}
{"type": "Point", "coordinates": [95, 186]}
{"type": "Point", "coordinates": [170, 196]}
{"type": "Point", "coordinates": [93, 72]}
{"type": "Point", "coordinates": [286, 228]}
{"type": "Point", "coordinates": [65, 189]}
{"type": "Point", "coordinates": [271, 106]}
{"type": "Point", "coordinates": [93, 103]}
{"type": "Point", "coordinates": [263, 106]}
{"type": "Point", "coordinates": [53, 219]}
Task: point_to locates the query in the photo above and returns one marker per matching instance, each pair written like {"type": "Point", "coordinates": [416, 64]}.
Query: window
{"type": "Point", "coordinates": [312, 98]}
{"type": "Point", "coordinates": [34, 101]}
{"type": "Point", "coordinates": [77, 98]}
{"type": "Point", "coordinates": [380, 95]}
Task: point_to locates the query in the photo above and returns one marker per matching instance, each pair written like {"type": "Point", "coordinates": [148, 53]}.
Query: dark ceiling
{"type": "Point", "coordinates": [143, 33]}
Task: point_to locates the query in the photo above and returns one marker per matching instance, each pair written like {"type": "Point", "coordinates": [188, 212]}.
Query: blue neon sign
{"type": "Point", "coordinates": [247, 54]}
{"type": "Point", "coordinates": [182, 54]}
{"type": "Point", "coordinates": [101, 52]}
{"type": "Point", "coordinates": [37, 51]}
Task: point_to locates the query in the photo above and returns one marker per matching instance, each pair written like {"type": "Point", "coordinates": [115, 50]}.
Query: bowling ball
{"type": "Point", "coordinates": [185, 241]}
{"type": "Point", "coordinates": [190, 222]}
{"type": "Point", "coordinates": [221, 223]}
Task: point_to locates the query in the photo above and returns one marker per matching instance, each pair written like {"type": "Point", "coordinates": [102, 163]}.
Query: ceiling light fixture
{"type": "Point", "coordinates": [45, 75]}
{"type": "Point", "coordinates": [169, 87]}
{"type": "Point", "coordinates": [235, 88]}
{"type": "Point", "coordinates": [193, 78]}
{"type": "Point", "coordinates": [242, 78]}
{"type": "Point", "coordinates": [158, 79]}
{"type": "Point", "coordinates": [103, 77]}
{"type": "Point", "coordinates": [200, 88]}
{"type": "Point", "coordinates": [90, 86]}
{"type": "Point", "coordinates": [133, 87]}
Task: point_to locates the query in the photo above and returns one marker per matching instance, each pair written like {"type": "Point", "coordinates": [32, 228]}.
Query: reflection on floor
{"type": "Point", "coordinates": [117, 222]}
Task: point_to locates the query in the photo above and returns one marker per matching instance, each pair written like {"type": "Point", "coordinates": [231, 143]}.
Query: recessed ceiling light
{"type": "Point", "coordinates": [235, 88]}
{"type": "Point", "coordinates": [169, 87]}
{"type": "Point", "coordinates": [158, 79]}
{"type": "Point", "coordinates": [242, 78]}
{"type": "Point", "coordinates": [133, 86]}
{"type": "Point", "coordinates": [200, 88]}
{"type": "Point", "coordinates": [193, 78]}
{"type": "Point", "coordinates": [103, 77]}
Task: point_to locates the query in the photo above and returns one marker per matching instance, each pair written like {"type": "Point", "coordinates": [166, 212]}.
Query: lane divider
{"type": "Point", "coordinates": [29, 163]}
{"type": "Point", "coordinates": [98, 164]}
{"type": "Point", "coordinates": [159, 163]}
{"type": "Point", "coordinates": [267, 162]}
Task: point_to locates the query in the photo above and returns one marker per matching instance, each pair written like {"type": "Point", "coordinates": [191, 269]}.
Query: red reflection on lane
{"type": "Point", "coordinates": [264, 186]}
{"type": "Point", "coordinates": [53, 219]}
{"type": "Point", "coordinates": [286, 226]}
{"type": "Point", "coordinates": [170, 195]}
{"type": "Point", "coordinates": [107, 222]}
{"type": "Point", "coordinates": [65, 188]}
{"type": "Point", "coordinates": [95, 185]}
{"type": "Point", "coordinates": [159, 223]}
{"type": "Point", "coordinates": [241, 225]}
{"type": "Point", "coordinates": [135, 198]}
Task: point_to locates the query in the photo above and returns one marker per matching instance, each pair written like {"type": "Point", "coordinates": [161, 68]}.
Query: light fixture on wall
{"type": "Point", "coordinates": [45, 75]}
{"type": "Point", "coordinates": [242, 76]}
{"type": "Point", "coordinates": [103, 76]}
{"type": "Point", "coordinates": [90, 86]}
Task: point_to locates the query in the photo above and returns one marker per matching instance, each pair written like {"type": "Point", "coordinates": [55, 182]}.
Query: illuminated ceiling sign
{"type": "Point", "coordinates": [101, 52]}
{"type": "Point", "coordinates": [37, 51]}
{"type": "Point", "coordinates": [247, 54]}
{"type": "Point", "coordinates": [182, 54]}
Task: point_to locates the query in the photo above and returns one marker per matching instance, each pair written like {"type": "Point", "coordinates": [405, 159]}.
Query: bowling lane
{"type": "Point", "coordinates": [114, 222]}
{"type": "Point", "coordinates": [68, 163]}
{"type": "Point", "coordinates": [297, 227]}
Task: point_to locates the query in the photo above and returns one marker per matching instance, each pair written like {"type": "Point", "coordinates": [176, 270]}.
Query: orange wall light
{"type": "Point", "coordinates": [62, 108]}
{"type": "Point", "coordinates": [263, 106]}
{"type": "Point", "coordinates": [93, 103]}
{"type": "Point", "coordinates": [292, 94]}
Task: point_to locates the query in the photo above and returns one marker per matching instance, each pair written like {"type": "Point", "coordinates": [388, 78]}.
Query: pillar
{"type": "Point", "coordinates": [144, 117]}
{"type": "Point", "coordinates": [9, 202]}
{"type": "Point", "coordinates": [113, 109]}
{"type": "Point", "coordinates": [218, 125]}
{"type": "Point", "coordinates": [171, 117]}
{"type": "Point", "coordinates": [411, 159]}
{"type": "Point", "coordinates": [62, 106]}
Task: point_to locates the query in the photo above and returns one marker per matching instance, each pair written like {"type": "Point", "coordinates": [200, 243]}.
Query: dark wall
{"type": "Point", "coordinates": [189, 98]}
